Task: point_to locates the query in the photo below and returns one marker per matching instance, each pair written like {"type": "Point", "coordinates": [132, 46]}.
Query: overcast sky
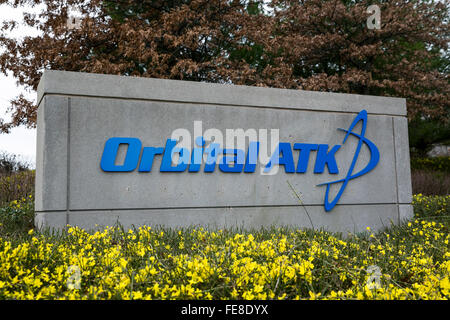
{"type": "Point", "coordinates": [20, 141]}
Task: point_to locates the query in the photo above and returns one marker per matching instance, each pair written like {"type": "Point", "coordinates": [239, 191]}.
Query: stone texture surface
{"type": "Point", "coordinates": [52, 154]}
{"type": "Point", "coordinates": [51, 220]}
{"type": "Point", "coordinates": [342, 219]}
{"type": "Point", "coordinates": [98, 85]}
{"type": "Point", "coordinates": [406, 212]}
{"type": "Point", "coordinates": [94, 120]}
{"type": "Point", "coordinates": [79, 112]}
{"type": "Point", "coordinates": [402, 160]}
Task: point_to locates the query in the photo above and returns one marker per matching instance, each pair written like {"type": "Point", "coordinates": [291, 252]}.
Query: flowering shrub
{"type": "Point", "coordinates": [432, 206]}
{"type": "Point", "coordinates": [16, 185]}
{"type": "Point", "coordinates": [17, 217]}
{"type": "Point", "coordinates": [431, 164]}
{"type": "Point", "coordinates": [412, 261]}
{"type": "Point", "coordinates": [197, 264]}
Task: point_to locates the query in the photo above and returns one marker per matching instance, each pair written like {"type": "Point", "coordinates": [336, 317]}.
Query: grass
{"type": "Point", "coordinates": [430, 182]}
{"type": "Point", "coordinates": [409, 261]}
{"type": "Point", "coordinates": [17, 218]}
{"type": "Point", "coordinates": [430, 176]}
{"type": "Point", "coordinates": [16, 185]}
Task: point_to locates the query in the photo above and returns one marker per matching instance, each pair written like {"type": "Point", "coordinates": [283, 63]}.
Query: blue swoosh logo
{"type": "Point", "coordinates": [374, 159]}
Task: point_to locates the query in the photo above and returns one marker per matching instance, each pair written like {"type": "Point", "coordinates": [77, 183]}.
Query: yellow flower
{"type": "Point", "coordinates": [137, 295]}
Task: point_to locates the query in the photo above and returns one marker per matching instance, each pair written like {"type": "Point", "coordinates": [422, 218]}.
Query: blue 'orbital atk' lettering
{"type": "Point", "coordinates": [235, 161]}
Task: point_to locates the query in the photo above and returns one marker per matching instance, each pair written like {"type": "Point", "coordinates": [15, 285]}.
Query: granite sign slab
{"type": "Point", "coordinates": [142, 151]}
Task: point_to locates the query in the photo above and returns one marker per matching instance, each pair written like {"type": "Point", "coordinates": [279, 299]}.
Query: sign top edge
{"type": "Point", "coordinates": [140, 88]}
